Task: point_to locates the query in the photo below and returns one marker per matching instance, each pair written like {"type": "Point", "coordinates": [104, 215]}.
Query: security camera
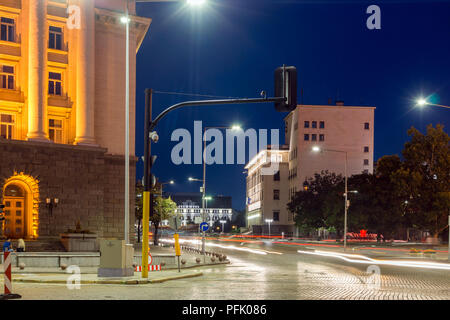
{"type": "Point", "coordinates": [154, 136]}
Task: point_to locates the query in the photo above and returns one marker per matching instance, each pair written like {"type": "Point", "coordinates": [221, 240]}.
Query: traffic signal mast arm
{"type": "Point", "coordinates": [209, 103]}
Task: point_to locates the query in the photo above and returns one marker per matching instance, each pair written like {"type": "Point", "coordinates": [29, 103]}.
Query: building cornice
{"type": "Point", "coordinates": [139, 25]}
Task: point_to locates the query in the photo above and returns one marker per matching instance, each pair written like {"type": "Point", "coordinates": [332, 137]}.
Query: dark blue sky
{"type": "Point", "coordinates": [232, 47]}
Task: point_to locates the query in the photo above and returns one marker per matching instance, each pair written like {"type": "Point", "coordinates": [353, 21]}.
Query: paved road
{"type": "Point", "coordinates": [272, 271]}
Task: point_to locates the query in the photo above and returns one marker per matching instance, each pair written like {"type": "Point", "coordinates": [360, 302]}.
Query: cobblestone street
{"type": "Point", "coordinates": [280, 274]}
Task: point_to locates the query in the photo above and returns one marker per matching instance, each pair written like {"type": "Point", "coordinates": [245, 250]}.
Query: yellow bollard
{"type": "Point", "coordinates": [177, 248]}
{"type": "Point", "coordinates": [145, 227]}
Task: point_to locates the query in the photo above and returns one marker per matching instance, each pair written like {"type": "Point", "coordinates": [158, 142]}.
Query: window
{"type": "Point", "coordinates": [322, 124]}
{"type": "Point", "coordinates": [314, 124]}
{"type": "Point", "coordinates": [366, 149]}
{"type": "Point", "coordinates": [276, 194]}
{"type": "Point", "coordinates": [306, 137]}
{"type": "Point", "coordinates": [276, 176]}
{"type": "Point", "coordinates": [55, 38]}
{"type": "Point", "coordinates": [55, 130]}
{"type": "Point", "coordinates": [306, 124]}
{"type": "Point", "coordinates": [7, 77]}
{"type": "Point", "coordinates": [314, 137]}
{"type": "Point", "coordinates": [55, 83]}
{"type": "Point", "coordinates": [322, 137]}
{"type": "Point", "coordinates": [366, 171]}
{"type": "Point", "coordinates": [296, 126]}
{"type": "Point", "coordinates": [366, 126]}
{"type": "Point", "coordinates": [366, 162]}
{"type": "Point", "coordinates": [276, 216]}
{"type": "Point", "coordinates": [7, 29]}
{"type": "Point", "coordinates": [6, 126]}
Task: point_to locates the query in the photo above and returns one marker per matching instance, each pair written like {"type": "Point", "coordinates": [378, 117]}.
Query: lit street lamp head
{"type": "Point", "coordinates": [316, 149]}
{"type": "Point", "coordinates": [196, 2]}
{"type": "Point", "coordinates": [422, 102]}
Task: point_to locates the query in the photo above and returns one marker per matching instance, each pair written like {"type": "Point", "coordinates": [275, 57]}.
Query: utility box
{"type": "Point", "coordinates": [116, 258]}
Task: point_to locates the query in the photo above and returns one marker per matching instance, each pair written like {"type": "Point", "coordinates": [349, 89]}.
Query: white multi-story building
{"type": "Point", "coordinates": [337, 131]}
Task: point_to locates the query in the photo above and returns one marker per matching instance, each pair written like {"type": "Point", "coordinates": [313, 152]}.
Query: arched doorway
{"type": "Point", "coordinates": [15, 211]}
{"type": "Point", "coordinates": [21, 200]}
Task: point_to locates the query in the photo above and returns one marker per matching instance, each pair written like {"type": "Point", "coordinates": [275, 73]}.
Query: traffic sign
{"type": "Point", "coordinates": [204, 226]}
{"type": "Point", "coordinates": [175, 222]}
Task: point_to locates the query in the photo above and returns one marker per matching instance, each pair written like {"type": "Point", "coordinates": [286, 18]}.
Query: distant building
{"type": "Point", "coordinates": [331, 128]}
{"type": "Point", "coordinates": [190, 206]}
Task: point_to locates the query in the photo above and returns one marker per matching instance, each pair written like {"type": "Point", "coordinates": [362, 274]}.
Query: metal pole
{"type": "Point", "coordinates": [204, 194]}
{"type": "Point", "coordinates": [127, 129]}
{"type": "Point", "coordinates": [346, 205]}
{"type": "Point", "coordinates": [147, 197]}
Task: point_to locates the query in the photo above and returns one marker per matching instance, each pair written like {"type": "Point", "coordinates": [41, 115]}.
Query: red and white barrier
{"type": "Point", "coordinates": [150, 268]}
{"type": "Point", "coordinates": [7, 278]}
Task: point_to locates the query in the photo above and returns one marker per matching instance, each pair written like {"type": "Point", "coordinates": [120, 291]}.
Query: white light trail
{"type": "Point", "coordinates": [367, 260]}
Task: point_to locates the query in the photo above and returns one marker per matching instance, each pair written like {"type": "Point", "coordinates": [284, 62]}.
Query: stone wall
{"type": "Point", "coordinates": [88, 182]}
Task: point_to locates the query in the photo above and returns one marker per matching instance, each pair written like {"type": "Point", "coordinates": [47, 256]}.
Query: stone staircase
{"type": "Point", "coordinates": [47, 245]}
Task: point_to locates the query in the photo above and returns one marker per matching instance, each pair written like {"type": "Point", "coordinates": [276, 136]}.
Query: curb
{"type": "Point", "coordinates": [124, 282]}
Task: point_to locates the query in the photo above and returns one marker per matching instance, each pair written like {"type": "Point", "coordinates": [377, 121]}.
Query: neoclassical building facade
{"type": "Point", "coordinates": [62, 111]}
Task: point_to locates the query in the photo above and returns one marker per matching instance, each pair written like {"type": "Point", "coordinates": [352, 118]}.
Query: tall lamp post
{"type": "Point", "coordinates": [235, 127]}
{"type": "Point", "coordinates": [318, 149]}
{"type": "Point", "coordinates": [126, 20]}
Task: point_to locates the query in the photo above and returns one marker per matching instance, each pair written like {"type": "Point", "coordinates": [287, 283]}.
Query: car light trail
{"type": "Point", "coordinates": [366, 260]}
{"type": "Point", "coordinates": [197, 242]}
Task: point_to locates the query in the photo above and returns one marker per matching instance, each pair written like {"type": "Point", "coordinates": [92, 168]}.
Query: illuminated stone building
{"type": "Point", "coordinates": [62, 111]}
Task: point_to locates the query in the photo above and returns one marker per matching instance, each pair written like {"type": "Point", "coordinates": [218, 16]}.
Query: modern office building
{"type": "Point", "coordinates": [62, 111]}
{"type": "Point", "coordinates": [337, 131]}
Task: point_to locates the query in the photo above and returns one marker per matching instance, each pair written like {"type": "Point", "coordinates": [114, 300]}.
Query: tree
{"type": "Point", "coordinates": [424, 178]}
{"type": "Point", "coordinates": [377, 206]}
{"type": "Point", "coordinates": [164, 209]}
{"type": "Point", "coordinates": [320, 204]}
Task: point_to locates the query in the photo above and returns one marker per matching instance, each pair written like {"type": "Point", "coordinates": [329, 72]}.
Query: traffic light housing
{"type": "Point", "coordinates": [286, 87]}
{"type": "Point", "coordinates": [2, 206]}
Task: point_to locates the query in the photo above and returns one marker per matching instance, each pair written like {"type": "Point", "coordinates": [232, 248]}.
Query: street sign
{"type": "Point", "coordinates": [204, 226]}
{"type": "Point", "coordinates": [198, 220]}
{"type": "Point", "coordinates": [175, 222]}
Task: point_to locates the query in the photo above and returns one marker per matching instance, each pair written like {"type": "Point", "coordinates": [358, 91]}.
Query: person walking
{"type": "Point", "coordinates": [21, 246]}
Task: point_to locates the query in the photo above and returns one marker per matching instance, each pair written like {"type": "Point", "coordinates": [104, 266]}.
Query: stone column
{"type": "Point", "coordinates": [85, 75]}
{"type": "Point", "coordinates": [37, 71]}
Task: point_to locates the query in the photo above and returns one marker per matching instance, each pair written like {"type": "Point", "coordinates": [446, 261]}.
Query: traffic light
{"type": "Point", "coordinates": [286, 87]}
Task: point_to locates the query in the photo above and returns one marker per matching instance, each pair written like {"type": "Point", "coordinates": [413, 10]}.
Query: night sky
{"type": "Point", "coordinates": [232, 47]}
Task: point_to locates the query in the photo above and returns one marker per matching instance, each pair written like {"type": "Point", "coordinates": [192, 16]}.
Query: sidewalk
{"type": "Point", "coordinates": [190, 269]}
{"type": "Point", "coordinates": [63, 278]}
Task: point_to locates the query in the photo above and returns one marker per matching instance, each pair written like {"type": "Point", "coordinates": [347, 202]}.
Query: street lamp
{"type": "Point", "coordinates": [269, 221]}
{"type": "Point", "coordinates": [126, 20]}
{"type": "Point", "coordinates": [422, 102]}
{"type": "Point", "coordinates": [318, 149]}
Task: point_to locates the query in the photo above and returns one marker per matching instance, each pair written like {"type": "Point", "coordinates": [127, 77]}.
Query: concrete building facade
{"type": "Point", "coordinates": [267, 194]}
{"type": "Point", "coordinates": [62, 98]}
{"type": "Point", "coordinates": [336, 130]}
